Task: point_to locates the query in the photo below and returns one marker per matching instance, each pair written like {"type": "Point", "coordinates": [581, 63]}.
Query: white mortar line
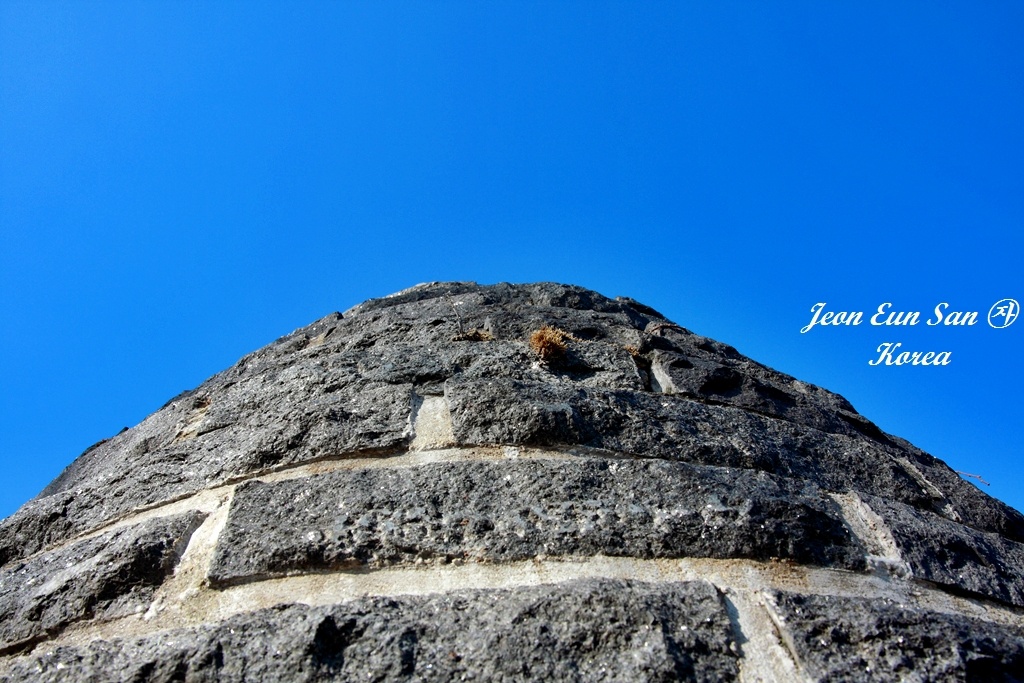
{"type": "Point", "coordinates": [746, 583]}
{"type": "Point", "coordinates": [184, 590]}
{"type": "Point", "coordinates": [737, 575]}
{"type": "Point", "coordinates": [765, 658]}
{"type": "Point", "coordinates": [884, 555]}
{"type": "Point", "coordinates": [778, 628]}
{"type": "Point", "coordinates": [206, 501]}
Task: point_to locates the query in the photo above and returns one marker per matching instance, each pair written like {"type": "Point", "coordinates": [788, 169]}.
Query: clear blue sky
{"type": "Point", "coordinates": [181, 183]}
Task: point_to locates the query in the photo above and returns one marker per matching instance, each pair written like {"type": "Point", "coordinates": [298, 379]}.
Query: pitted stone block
{"type": "Point", "coordinates": [519, 509]}
{"type": "Point", "coordinates": [853, 639]}
{"type": "Point", "coordinates": [957, 557]}
{"type": "Point", "coordinates": [592, 630]}
{"type": "Point", "coordinates": [98, 578]}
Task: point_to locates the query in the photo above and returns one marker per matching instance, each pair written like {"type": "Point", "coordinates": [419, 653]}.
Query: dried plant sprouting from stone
{"type": "Point", "coordinates": [458, 318]}
{"type": "Point", "coordinates": [476, 335]}
{"type": "Point", "coordinates": [550, 343]}
{"type": "Point", "coordinates": [464, 335]}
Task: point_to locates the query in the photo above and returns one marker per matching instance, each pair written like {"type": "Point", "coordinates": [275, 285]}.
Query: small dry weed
{"type": "Point", "coordinates": [550, 343]}
{"type": "Point", "coordinates": [476, 335]}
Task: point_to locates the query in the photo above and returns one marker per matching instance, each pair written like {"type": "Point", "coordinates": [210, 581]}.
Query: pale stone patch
{"type": "Point", "coordinates": [767, 658]}
{"type": "Point", "coordinates": [431, 423]}
{"type": "Point", "coordinates": [883, 552]}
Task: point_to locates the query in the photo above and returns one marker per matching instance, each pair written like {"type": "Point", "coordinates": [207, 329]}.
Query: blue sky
{"type": "Point", "coordinates": [181, 183]}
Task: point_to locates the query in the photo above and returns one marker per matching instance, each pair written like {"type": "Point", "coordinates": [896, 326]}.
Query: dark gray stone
{"type": "Point", "coordinates": [969, 505]}
{"type": "Point", "coordinates": [297, 412]}
{"type": "Point", "coordinates": [98, 578]}
{"type": "Point", "coordinates": [589, 630]}
{"type": "Point", "coordinates": [720, 457]}
{"type": "Point", "coordinates": [518, 509]}
{"type": "Point", "coordinates": [853, 639]}
{"type": "Point", "coordinates": [515, 411]}
{"type": "Point", "coordinates": [346, 384]}
{"type": "Point", "coordinates": [956, 557]}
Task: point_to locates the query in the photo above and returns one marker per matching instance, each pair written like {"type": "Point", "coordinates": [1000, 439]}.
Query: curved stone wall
{"type": "Point", "coordinates": [412, 490]}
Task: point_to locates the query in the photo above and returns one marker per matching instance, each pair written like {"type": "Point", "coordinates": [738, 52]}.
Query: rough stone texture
{"type": "Point", "coordinates": [345, 384]}
{"type": "Point", "coordinates": [282, 414]}
{"type": "Point", "coordinates": [957, 557]}
{"type": "Point", "coordinates": [97, 578]}
{"type": "Point", "coordinates": [519, 509]}
{"type": "Point", "coordinates": [851, 639]}
{"type": "Point", "coordinates": [496, 411]}
{"type": "Point", "coordinates": [362, 452]}
{"type": "Point", "coordinates": [581, 631]}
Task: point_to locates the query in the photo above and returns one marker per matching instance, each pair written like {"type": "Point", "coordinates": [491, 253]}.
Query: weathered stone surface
{"type": "Point", "coordinates": [965, 504]}
{"type": "Point", "coordinates": [519, 509]}
{"type": "Point", "coordinates": [852, 639]}
{"type": "Point", "coordinates": [959, 558]}
{"type": "Point", "coordinates": [666, 445]}
{"type": "Point", "coordinates": [300, 412]}
{"type": "Point", "coordinates": [510, 411]}
{"type": "Point", "coordinates": [346, 384]}
{"type": "Point", "coordinates": [101, 577]}
{"type": "Point", "coordinates": [579, 631]}
{"type": "Point", "coordinates": [279, 419]}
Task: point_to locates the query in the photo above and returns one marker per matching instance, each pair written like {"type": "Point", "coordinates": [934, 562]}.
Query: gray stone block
{"type": "Point", "coordinates": [592, 630]}
{"type": "Point", "coordinates": [98, 578]}
{"type": "Point", "coordinates": [956, 557]}
{"type": "Point", "coordinates": [280, 416]}
{"type": "Point", "coordinates": [855, 640]}
{"type": "Point", "coordinates": [511, 411]}
{"type": "Point", "coordinates": [519, 509]}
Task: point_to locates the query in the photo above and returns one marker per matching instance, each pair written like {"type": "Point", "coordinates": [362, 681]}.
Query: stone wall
{"type": "Point", "coordinates": [408, 491]}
